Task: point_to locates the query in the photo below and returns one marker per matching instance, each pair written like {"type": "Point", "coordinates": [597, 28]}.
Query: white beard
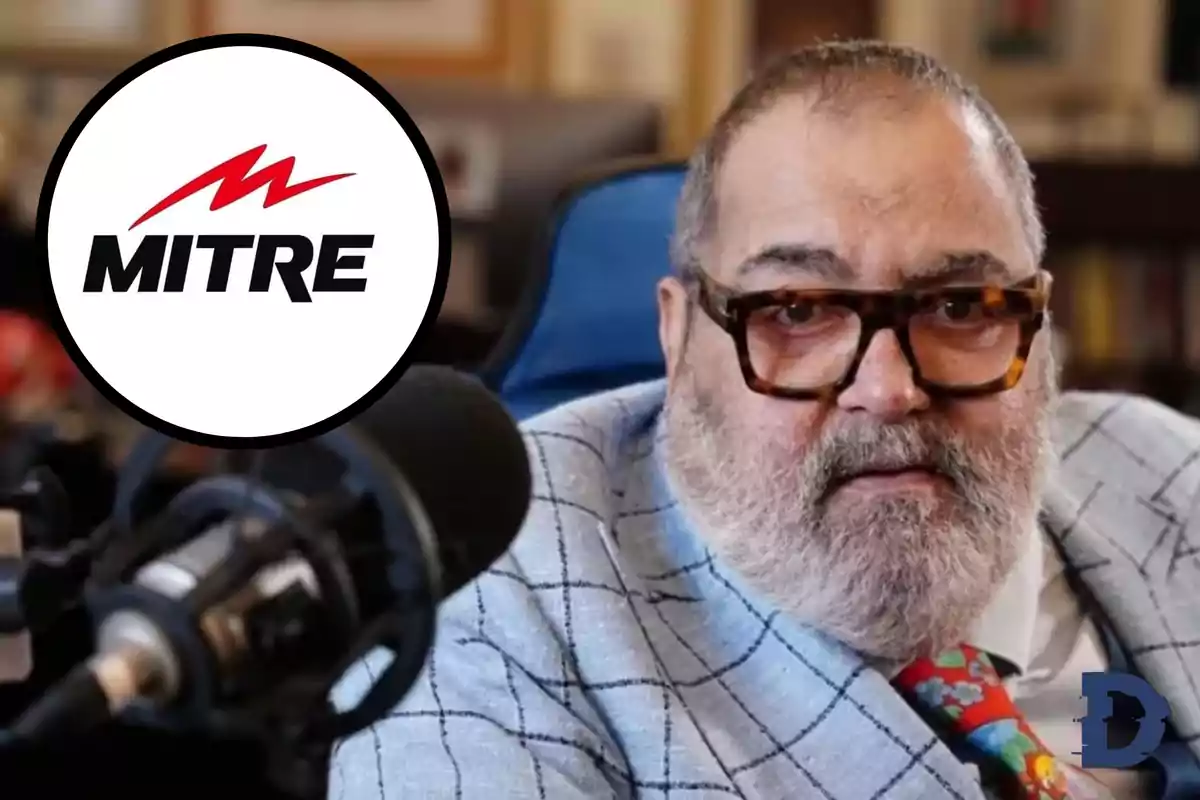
{"type": "Point", "coordinates": [892, 579]}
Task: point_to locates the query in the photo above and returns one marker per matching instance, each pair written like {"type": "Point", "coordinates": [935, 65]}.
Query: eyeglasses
{"type": "Point", "coordinates": [959, 341]}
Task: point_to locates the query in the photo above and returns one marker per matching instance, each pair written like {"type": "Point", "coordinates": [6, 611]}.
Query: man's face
{"type": "Point", "coordinates": [885, 517]}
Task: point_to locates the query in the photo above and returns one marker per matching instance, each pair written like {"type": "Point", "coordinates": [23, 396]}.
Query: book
{"type": "Point", "coordinates": [1160, 310]}
{"type": "Point", "coordinates": [1191, 312]}
{"type": "Point", "coordinates": [1093, 306]}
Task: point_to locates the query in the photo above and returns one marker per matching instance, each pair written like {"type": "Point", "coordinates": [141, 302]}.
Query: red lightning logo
{"type": "Point", "coordinates": [236, 182]}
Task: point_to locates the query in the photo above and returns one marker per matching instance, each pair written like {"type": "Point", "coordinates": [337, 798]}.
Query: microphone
{"type": "Point", "coordinates": [275, 582]}
{"type": "Point", "coordinates": [43, 568]}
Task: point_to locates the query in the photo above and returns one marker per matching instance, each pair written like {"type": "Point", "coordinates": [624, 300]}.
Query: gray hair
{"type": "Point", "coordinates": [834, 72]}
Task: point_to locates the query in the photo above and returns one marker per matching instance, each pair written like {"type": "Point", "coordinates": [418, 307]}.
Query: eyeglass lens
{"type": "Point", "coordinates": [810, 345]}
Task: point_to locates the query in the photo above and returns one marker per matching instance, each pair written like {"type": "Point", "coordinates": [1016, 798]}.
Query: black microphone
{"type": "Point", "coordinates": [241, 605]}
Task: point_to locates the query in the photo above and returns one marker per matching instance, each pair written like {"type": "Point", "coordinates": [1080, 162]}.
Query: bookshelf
{"type": "Point", "coordinates": [1124, 247]}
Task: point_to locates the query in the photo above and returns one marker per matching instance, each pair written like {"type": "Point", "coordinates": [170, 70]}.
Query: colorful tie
{"type": "Point", "coordinates": [961, 690]}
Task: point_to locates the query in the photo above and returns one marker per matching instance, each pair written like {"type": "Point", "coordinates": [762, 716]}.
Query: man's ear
{"type": "Point", "coordinates": [673, 319]}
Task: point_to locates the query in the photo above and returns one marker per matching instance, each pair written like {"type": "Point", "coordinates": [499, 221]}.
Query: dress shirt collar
{"type": "Point", "coordinates": [1007, 626]}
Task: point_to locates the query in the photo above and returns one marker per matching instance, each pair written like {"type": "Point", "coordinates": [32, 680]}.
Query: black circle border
{"type": "Point", "coordinates": [189, 47]}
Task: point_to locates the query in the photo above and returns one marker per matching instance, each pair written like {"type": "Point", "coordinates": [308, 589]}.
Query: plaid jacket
{"type": "Point", "coordinates": [608, 656]}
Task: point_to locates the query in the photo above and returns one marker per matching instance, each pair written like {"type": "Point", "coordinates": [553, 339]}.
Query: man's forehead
{"type": "Point", "coordinates": [799, 263]}
{"type": "Point", "coordinates": [900, 133]}
{"type": "Point", "coordinates": [888, 198]}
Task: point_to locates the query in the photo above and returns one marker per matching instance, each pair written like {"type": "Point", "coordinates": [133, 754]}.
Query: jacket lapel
{"type": "Point", "coordinates": [1133, 553]}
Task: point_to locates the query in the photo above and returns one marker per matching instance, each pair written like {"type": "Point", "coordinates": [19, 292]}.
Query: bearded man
{"type": "Point", "coordinates": [855, 545]}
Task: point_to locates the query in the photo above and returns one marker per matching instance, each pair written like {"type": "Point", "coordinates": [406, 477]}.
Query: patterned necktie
{"type": "Point", "coordinates": [961, 691]}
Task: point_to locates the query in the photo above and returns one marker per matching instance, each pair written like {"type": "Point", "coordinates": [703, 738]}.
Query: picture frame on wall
{"type": "Point", "coordinates": [417, 38]}
{"type": "Point", "coordinates": [80, 35]}
{"type": "Point", "coordinates": [1072, 78]}
{"type": "Point", "coordinates": [36, 108]}
{"type": "Point", "coordinates": [468, 158]}
{"type": "Point", "coordinates": [1019, 30]}
{"type": "Point", "coordinates": [1031, 53]}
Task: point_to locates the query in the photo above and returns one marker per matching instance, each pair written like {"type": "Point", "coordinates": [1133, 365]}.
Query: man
{"type": "Point", "coordinates": [857, 499]}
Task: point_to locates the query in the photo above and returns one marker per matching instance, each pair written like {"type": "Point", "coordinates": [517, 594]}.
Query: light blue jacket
{"type": "Point", "coordinates": [608, 656]}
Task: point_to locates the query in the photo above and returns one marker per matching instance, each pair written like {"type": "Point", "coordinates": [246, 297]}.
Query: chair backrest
{"type": "Point", "coordinates": [590, 321]}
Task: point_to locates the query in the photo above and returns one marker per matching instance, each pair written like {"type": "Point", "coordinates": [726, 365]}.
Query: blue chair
{"type": "Point", "coordinates": [590, 320]}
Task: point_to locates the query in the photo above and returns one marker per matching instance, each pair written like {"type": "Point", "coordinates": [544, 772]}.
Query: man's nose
{"type": "Point", "coordinates": [884, 384]}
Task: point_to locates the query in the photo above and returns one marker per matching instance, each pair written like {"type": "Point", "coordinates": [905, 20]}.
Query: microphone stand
{"type": "Point", "coordinates": [42, 574]}
{"type": "Point", "coordinates": [41, 592]}
{"type": "Point", "coordinates": [193, 637]}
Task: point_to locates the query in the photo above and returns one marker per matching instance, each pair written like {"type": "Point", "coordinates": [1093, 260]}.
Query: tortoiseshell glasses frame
{"type": "Point", "coordinates": [1023, 304]}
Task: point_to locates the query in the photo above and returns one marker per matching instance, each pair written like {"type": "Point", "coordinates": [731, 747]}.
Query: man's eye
{"type": "Point", "coordinates": [798, 314]}
{"type": "Point", "coordinates": [803, 314]}
{"type": "Point", "coordinates": [959, 311]}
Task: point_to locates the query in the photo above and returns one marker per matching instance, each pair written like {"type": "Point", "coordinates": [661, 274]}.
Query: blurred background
{"type": "Point", "coordinates": [519, 96]}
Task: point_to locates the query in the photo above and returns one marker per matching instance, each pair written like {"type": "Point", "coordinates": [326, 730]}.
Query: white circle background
{"type": "Point", "coordinates": [242, 364]}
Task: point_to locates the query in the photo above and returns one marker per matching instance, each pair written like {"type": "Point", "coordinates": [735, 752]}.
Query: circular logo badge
{"type": "Point", "coordinates": [243, 236]}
